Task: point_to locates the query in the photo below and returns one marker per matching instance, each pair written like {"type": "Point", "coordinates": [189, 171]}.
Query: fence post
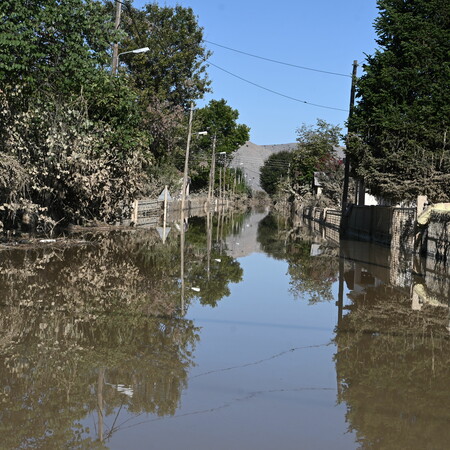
{"type": "Point", "coordinates": [134, 214]}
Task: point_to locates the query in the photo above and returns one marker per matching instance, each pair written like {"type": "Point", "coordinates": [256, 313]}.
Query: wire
{"type": "Point", "coordinates": [279, 62]}
{"type": "Point", "coordinates": [275, 92]}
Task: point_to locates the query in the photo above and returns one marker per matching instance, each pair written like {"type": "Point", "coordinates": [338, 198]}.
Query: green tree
{"type": "Point", "coordinates": [174, 68]}
{"type": "Point", "coordinates": [275, 168]}
{"type": "Point", "coordinates": [401, 123]}
{"type": "Point", "coordinates": [316, 152]}
{"type": "Point", "coordinates": [75, 131]}
{"type": "Point", "coordinates": [220, 121]}
{"type": "Point", "coordinates": [170, 75]}
{"type": "Point", "coordinates": [53, 45]}
{"type": "Point", "coordinates": [71, 167]}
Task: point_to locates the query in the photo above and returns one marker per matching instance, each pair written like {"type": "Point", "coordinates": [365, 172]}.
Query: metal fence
{"type": "Point", "coordinates": [146, 211]}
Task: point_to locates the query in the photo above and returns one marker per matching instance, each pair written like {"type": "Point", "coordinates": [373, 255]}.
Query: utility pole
{"type": "Point", "coordinates": [183, 201]}
{"type": "Point", "coordinates": [115, 58]}
{"type": "Point", "coordinates": [220, 184]}
{"type": "Point", "coordinates": [347, 160]}
{"type": "Point", "coordinates": [212, 170]}
{"type": "Point", "coordinates": [186, 159]}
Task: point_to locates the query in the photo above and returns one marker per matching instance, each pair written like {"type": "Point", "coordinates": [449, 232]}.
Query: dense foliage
{"type": "Point", "coordinates": [275, 168]}
{"type": "Point", "coordinates": [72, 129]}
{"type": "Point", "coordinates": [77, 141]}
{"type": "Point", "coordinates": [400, 126]}
{"type": "Point", "coordinates": [291, 174]}
{"type": "Point", "coordinates": [219, 120]}
{"type": "Point", "coordinates": [316, 151]}
{"type": "Point", "coordinates": [170, 75]}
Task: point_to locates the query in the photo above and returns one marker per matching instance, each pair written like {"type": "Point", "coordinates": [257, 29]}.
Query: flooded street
{"type": "Point", "coordinates": [276, 337]}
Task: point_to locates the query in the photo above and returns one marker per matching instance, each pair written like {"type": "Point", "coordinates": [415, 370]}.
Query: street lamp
{"type": "Point", "coordinates": [116, 60]}
{"type": "Point", "coordinates": [138, 50]}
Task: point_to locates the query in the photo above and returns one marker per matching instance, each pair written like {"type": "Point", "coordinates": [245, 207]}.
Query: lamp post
{"type": "Point", "coordinates": [116, 58]}
{"type": "Point", "coordinates": [186, 157]}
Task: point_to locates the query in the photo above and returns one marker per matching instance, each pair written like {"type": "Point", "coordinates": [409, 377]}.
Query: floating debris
{"type": "Point", "coordinates": [125, 390]}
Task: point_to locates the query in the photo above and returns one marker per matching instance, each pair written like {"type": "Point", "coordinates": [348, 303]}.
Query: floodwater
{"type": "Point", "coordinates": [238, 332]}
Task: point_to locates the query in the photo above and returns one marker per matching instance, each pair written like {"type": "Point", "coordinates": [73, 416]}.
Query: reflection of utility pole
{"type": "Point", "coordinates": [208, 242]}
{"type": "Point", "coordinates": [100, 383]}
{"type": "Point", "coordinates": [221, 230]}
{"type": "Point", "coordinates": [347, 159]}
{"type": "Point", "coordinates": [183, 200]}
{"type": "Point", "coordinates": [340, 302]}
{"type": "Point", "coordinates": [182, 260]}
{"type": "Point", "coordinates": [115, 58]}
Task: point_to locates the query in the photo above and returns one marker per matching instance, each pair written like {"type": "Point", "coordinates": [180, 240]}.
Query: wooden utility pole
{"type": "Point", "coordinates": [220, 184]}
{"type": "Point", "coordinates": [115, 58]}
{"type": "Point", "coordinates": [347, 160]}
{"type": "Point", "coordinates": [186, 158]}
{"type": "Point", "coordinates": [212, 171]}
{"type": "Point", "coordinates": [224, 187]}
{"type": "Point", "coordinates": [183, 201]}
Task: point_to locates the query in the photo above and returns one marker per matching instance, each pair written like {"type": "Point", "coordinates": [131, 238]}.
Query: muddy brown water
{"type": "Point", "coordinates": [277, 337]}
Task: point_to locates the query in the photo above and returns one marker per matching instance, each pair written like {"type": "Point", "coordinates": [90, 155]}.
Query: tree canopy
{"type": "Point", "coordinates": [53, 45]}
{"type": "Point", "coordinates": [316, 147]}
{"type": "Point", "coordinates": [174, 69]}
{"type": "Point", "coordinates": [81, 141]}
{"type": "Point", "coordinates": [399, 141]}
{"type": "Point", "coordinates": [275, 168]}
{"type": "Point", "coordinates": [219, 120]}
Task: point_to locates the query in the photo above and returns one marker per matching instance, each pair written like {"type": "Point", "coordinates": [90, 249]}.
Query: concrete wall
{"type": "Point", "coordinates": [325, 216]}
{"type": "Point", "coordinates": [379, 224]}
{"type": "Point", "coordinates": [438, 237]}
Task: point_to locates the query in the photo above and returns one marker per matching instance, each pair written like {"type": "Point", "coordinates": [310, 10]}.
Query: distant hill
{"type": "Point", "coordinates": [251, 157]}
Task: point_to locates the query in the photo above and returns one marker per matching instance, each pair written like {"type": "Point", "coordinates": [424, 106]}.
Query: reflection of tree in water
{"type": "Point", "coordinates": [223, 269]}
{"type": "Point", "coordinates": [393, 367]}
{"type": "Point", "coordinates": [312, 277]}
{"type": "Point", "coordinates": [97, 324]}
{"type": "Point", "coordinates": [51, 365]}
{"type": "Point", "coordinates": [98, 276]}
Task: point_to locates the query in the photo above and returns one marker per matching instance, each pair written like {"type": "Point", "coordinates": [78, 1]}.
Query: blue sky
{"type": "Point", "coordinates": [320, 34]}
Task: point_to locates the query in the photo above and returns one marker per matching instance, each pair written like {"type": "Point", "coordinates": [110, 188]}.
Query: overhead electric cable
{"type": "Point", "coordinates": [280, 62]}
{"type": "Point", "coordinates": [275, 92]}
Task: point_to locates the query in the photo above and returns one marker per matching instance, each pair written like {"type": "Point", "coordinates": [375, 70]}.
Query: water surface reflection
{"type": "Point", "coordinates": [276, 335]}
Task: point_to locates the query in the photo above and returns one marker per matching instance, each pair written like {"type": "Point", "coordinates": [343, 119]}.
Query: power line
{"type": "Point", "coordinates": [279, 62]}
{"type": "Point", "coordinates": [275, 92]}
